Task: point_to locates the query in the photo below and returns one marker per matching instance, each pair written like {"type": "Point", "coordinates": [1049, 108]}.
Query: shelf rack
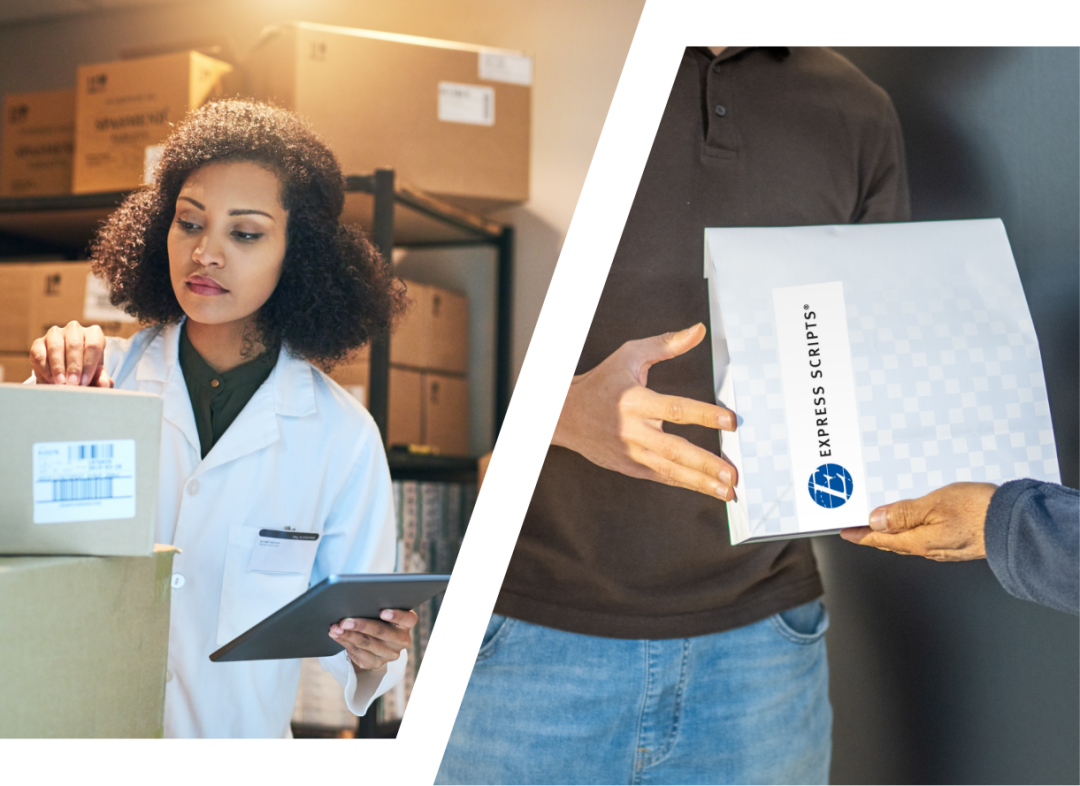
{"type": "Point", "coordinates": [394, 213]}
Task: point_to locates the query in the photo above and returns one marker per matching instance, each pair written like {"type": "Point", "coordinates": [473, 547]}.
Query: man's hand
{"type": "Point", "coordinates": [946, 525]}
{"type": "Point", "coordinates": [614, 421]}
{"type": "Point", "coordinates": [71, 355]}
{"type": "Point", "coordinates": [371, 644]}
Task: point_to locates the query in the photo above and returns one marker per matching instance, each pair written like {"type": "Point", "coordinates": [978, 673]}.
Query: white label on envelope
{"type": "Point", "coordinates": [501, 67]}
{"type": "Point", "coordinates": [83, 481]}
{"type": "Point", "coordinates": [466, 104]}
{"type": "Point", "coordinates": [824, 441]}
{"type": "Point", "coordinates": [278, 551]}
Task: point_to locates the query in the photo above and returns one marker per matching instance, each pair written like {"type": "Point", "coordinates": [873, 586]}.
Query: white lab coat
{"type": "Point", "coordinates": [303, 454]}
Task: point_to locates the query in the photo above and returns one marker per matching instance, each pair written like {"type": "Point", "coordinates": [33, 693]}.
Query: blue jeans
{"type": "Point", "coordinates": [749, 705]}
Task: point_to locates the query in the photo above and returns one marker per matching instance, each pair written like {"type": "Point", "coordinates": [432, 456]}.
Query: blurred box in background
{"type": "Point", "coordinates": [450, 118]}
{"type": "Point", "coordinates": [125, 106]}
{"type": "Point", "coordinates": [434, 334]}
{"type": "Point", "coordinates": [406, 417]}
{"type": "Point", "coordinates": [427, 405]}
{"type": "Point", "coordinates": [34, 296]}
{"type": "Point", "coordinates": [446, 413]}
{"type": "Point", "coordinates": [37, 143]}
{"type": "Point", "coordinates": [111, 683]}
{"type": "Point", "coordinates": [14, 367]}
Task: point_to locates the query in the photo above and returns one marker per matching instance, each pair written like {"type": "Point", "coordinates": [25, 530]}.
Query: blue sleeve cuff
{"type": "Point", "coordinates": [996, 531]}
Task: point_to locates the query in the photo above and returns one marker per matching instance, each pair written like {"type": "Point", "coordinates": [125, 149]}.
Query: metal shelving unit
{"type": "Point", "coordinates": [395, 215]}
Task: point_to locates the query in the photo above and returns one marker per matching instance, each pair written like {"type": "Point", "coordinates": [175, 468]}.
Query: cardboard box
{"type": "Point", "coordinates": [450, 118]}
{"type": "Point", "coordinates": [125, 106]}
{"type": "Point", "coordinates": [37, 143]}
{"type": "Point", "coordinates": [14, 367]}
{"type": "Point", "coordinates": [34, 296]}
{"type": "Point", "coordinates": [446, 413]}
{"type": "Point", "coordinates": [111, 681]}
{"type": "Point", "coordinates": [409, 339]}
{"type": "Point", "coordinates": [405, 419]}
{"type": "Point", "coordinates": [79, 470]}
{"type": "Point", "coordinates": [435, 331]}
{"type": "Point", "coordinates": [448, 331]}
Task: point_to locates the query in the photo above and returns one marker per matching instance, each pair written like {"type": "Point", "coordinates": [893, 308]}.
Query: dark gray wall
{"type": "Point", "coordinates": [938, 676]}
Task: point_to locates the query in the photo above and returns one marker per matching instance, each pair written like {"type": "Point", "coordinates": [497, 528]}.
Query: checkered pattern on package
{"type": "Point", "coordinates": [948, 377]}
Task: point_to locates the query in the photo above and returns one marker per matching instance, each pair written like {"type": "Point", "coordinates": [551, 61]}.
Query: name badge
{"type": "Point", "coordinates": [283, 551]}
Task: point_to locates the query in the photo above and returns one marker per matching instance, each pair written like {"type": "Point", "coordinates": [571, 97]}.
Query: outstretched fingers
{"type": "Point", "coordinates": [677, 409]}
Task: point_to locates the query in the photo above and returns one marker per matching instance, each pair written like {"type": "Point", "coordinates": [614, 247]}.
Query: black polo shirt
{"type": "Point", "coordinates": [754, 137]}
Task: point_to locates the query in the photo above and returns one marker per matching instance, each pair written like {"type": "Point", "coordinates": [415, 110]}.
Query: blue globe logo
{"type": "Point", "coordinates": [830, 485]}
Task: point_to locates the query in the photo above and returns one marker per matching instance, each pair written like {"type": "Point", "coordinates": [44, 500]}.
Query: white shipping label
{"type": "Point", "coordinates": [460, 103]}
{"type": "Point", "coordinates": [824, 441]}
{"type": "Point", "coordinates": [96, 305]}
{"type": "Point", "coordinates": [83, 481]}
{"type": "Point", "coordinates": [501, 67]}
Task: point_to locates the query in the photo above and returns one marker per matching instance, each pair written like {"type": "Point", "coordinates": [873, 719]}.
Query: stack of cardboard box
{"type": "Point", "coordinates": [34, 296]}
{"type": "Point", "coordinates": [450, 118]}
{"type": "Point", "coordinates": [429, 363]}
{"type": "Point", "coordinates": [78, 498]}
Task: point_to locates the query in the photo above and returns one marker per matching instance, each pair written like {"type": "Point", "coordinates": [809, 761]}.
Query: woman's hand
{"type": "Point", "coordinates": [372, 644]}
{"type": "Point", "coordinates": [72, 355]}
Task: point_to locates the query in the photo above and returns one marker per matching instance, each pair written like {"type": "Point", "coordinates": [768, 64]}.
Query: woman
{"type": "Point", "coordinates": [237, 261]}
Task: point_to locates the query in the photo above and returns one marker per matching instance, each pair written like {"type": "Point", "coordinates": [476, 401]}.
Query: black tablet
{"type": "Point", "coordinates": [300, 629]}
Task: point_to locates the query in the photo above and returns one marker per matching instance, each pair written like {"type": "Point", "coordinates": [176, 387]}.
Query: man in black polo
{"type": "Point", "coordinates": [631, 641]}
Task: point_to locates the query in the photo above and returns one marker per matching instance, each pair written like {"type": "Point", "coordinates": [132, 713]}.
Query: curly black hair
{"type": "Point", "coordinates": [341, 292]}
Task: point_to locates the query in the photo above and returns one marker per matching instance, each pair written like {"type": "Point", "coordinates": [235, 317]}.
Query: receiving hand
{"type": "Point", "coordinates": [614, 421]}
{"type": "Point", "coordinates": [945, 525]}
{"type": "Point", "coordinates": [371, 644]}
{"type": "Point", "coordinates": [72, 355]}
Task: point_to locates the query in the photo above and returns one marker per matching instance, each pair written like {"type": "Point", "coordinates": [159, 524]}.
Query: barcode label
{"type": "Point", "coordinates": [75, 489]}
{"type": "Point", "coordinates": [83, 481]}
{"type": "Point", "coordinates": [91, 451]}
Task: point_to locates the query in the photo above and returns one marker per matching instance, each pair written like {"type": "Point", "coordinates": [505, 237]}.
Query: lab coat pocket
{"type": "Point", "coordinates": [250, 596]}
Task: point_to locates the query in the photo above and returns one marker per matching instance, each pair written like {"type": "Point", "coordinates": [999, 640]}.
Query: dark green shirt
{"type": "Point", "coordinates": [217, 398]}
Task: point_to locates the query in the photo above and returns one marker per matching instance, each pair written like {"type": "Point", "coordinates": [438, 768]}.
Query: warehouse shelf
{"type": "Point", "coordinates": [420, 219]}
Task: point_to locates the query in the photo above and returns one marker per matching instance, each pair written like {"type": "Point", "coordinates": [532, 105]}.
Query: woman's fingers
{"type": "Point", "coordinates": [39, 361]}
{"type": "Point", "coordinates": [372, 643]}
{"type": "Point", "coordinates": [71, 355]}
{"type": "Point", "coordinates": [56, 356]}
{"type": "Point", "coordinates": [400, 618]}
{"type": "Point", "coordinates": [74, 341]}
{"type": "Point", "coordinates": [93, 353]}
